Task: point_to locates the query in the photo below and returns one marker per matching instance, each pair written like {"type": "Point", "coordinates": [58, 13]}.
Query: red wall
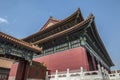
{"type": "Point", "coordinates": [13, 69]}
{"type": "Point", "coordinates": [36, 71]}
{"type": "Point", "coordinates": [72, 59]}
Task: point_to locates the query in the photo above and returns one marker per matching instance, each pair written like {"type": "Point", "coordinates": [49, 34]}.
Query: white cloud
{"type": "Point", "coordinates": [2, 20]}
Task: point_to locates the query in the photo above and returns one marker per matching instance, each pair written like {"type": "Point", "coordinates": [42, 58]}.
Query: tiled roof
{"type": "Point", "coordinates": [66, 31]}
{"type": "Point", "coordinates": [20, 42]}
{"type": "Point", "coordinates": [58, 22]}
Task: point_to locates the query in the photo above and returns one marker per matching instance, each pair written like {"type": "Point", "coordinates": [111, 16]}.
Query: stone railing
{"type": "Point", "coordinates": [100, 74]}
{"type": "Point", "coordinates": [114, 76]}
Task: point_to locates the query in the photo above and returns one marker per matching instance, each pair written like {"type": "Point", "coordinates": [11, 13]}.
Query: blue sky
{"type": "Point", "coordinates": [21, 18]}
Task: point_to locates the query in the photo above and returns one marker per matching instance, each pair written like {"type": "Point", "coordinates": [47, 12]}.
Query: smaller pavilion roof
{"type": "Point", "coordinates": [20, 42]}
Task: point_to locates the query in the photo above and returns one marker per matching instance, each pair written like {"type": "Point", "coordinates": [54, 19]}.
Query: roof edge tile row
{"type": "Point", "coordinates": [20, 42]}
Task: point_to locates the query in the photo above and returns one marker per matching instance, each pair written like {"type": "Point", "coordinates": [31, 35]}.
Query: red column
{"type": "Point", "coordinates": [85, 59]}
{"type": "Point", "coordinates": [22, 71]}
{"type": "Point", "coordinates": [26, 72]}
{"type": "Point", "coordinates": [94, 63]}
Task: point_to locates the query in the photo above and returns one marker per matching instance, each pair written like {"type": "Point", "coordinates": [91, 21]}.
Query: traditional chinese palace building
{"type": "Point", "coordinates": [71, 43]}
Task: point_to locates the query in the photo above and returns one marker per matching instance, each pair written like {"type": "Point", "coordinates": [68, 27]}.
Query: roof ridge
{"type": "Point", "coordinates": [51, 19]}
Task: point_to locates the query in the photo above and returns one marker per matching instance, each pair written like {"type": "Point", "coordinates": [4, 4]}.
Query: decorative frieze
{"type": "Point", "coordinates": [8, 49]}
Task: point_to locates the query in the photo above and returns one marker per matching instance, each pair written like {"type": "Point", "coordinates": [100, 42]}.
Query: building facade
{"type": "Point", "coordinates": [71, 43]}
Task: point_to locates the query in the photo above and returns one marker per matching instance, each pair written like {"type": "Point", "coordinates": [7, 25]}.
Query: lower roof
{"type": "Point", "coordinates": [19, 42]}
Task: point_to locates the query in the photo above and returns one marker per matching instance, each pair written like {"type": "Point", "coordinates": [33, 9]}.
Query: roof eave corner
{"type": "Point", "coordinates": [79, 12]}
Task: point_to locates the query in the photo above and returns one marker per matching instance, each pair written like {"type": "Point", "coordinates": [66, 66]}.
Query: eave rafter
{"type": "Point", "coordinates": [100, 43]}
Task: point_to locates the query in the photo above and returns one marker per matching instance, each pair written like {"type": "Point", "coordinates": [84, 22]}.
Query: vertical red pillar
{"type": "Point", "coordinates": [22, 71]}
{"type": "Point", "coordinates": [85, 59]}
{"type": "Point", "coordinates": [94, 63]}
{"type": "Point", "coordinates": [26, 70]}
